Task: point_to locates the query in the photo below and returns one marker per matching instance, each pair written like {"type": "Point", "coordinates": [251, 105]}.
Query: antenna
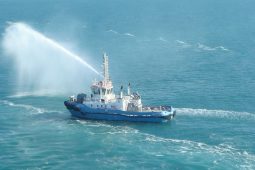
{"type": "Point", "coordinates": [106, 68]}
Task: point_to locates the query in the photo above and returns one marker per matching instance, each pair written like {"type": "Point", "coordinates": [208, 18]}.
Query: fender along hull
{"type": "Point", "coordinates": [83, 112]}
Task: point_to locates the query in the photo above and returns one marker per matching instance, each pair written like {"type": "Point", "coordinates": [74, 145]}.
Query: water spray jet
{"type": "Point", "coordinates": [43, 64]}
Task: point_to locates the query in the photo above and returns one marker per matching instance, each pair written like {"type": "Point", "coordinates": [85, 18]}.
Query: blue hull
{"type": "Point", "coordinates": [84, 112]}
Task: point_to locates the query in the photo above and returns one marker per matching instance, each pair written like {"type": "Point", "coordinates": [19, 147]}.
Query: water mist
{"type": "Point", "coordinates": [42, 65]}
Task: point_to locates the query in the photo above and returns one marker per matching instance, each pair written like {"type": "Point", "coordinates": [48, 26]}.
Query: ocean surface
{"type": "Point", "coordinates": [197, 56]}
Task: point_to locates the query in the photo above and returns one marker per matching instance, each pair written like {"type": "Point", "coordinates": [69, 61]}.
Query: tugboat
{"type": "Point", "coordinates": [104, 104]}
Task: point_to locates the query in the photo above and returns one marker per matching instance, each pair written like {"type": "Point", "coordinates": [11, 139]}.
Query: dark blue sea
{"type": "Point", "coordinates": [198, 56]}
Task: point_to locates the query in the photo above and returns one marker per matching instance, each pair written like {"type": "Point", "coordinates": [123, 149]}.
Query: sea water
{"type": "Point", "coordinates": [197, 57]}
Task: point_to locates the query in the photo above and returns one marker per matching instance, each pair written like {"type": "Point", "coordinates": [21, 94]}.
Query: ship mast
{"type": "Point", "coordinates": [106, 68]}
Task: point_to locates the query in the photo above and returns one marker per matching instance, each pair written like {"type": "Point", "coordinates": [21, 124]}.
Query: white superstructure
{"type": "Point", "coordinates": [103, 96]}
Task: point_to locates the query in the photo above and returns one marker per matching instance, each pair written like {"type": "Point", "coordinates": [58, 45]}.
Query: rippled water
{"type": "Point", "coordinates": [197, 57]}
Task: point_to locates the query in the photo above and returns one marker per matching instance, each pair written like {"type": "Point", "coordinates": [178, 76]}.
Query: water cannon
{"type": "Point", "coordinates": [128, 89]}
{"type": "Point", "coordinates": [121, 91]}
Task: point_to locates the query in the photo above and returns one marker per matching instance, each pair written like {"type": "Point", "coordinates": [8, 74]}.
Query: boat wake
{"type": "Point", "coordinates": [169, 147]}
{"type": "Point", "coordinates": [129, 34]}
{"type": "Point", "coordinates": [166, 146]}
{"type": "Point", "coordinates": [216, 153]}
{"type": "Point", "coordinates": [124, 34]}
{"type": "Point", "coordinates": [163, 40]}
{"type": "Point", "coordinates": [201, 47]}
{"type": "Point", "coordinates": [30, 108]}
{"type": "Point", "coordinates": [233, 115]}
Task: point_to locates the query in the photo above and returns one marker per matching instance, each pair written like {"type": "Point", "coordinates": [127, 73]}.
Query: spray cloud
{"type": "Point", "coordinates": [43, 65]}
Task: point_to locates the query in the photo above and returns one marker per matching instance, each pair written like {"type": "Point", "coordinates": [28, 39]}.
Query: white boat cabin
{"type": "Point", "coordinates": [103, 97]}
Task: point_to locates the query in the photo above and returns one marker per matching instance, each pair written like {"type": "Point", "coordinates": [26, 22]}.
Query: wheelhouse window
{"type": "Point", "coordinates": [103, 91]}
{"type": "Point", "coordinates": [109, 91]}
{"type": "Point", "coordinates": [96, 91]}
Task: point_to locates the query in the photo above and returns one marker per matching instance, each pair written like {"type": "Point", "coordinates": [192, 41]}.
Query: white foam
{"type": "Point", "coordinates": [222, 48]}
{"type": "Point", "coordinates": [125, 34]}
{"type": "Point", "coordinates": [129, 34]}
{"type": "Point", "coordinates": [183, 44]}
{"type": "Point", "coordinates": [163, 40]}
{"type": "Point", "coordinates": [113, 31]}
{"type": "Point", "coordinates": [204, 47]}
{"type": "Point", "coordinates": [159, 155]}
{"type": "Point", "coordinates": [187, 146]}
{"type": "Point", "coordinates": [181, 146]}
{"type": "Point", "coordinates": [207, 48]}
{"type": "Point", "coordinates": [200, 46]}
{"type": "Point", "coordinates": [33, 109]}
{"type": "Point", "coordinates": [123, 130]}
{"type": "Point", "coordinates": [93, 123]}
{"type": "Point", "coordinates": [167, 146]}
{"type": "Point", "coordinates": [180, 42]}
{"type": "Point", "coordinates": [216, 113]}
